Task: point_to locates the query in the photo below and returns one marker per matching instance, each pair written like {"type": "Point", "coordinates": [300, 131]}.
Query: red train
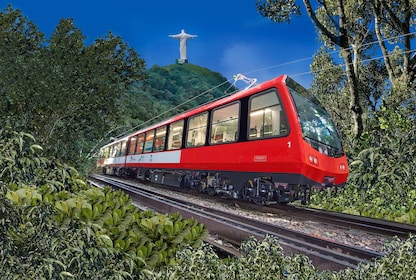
{"type": "Point", "coordinates": [268, 144]}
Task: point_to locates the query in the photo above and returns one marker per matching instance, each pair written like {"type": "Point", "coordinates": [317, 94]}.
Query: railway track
{"type": "Point", "coordinates": [324, 254]}
{"type": "Point", "coordinates": [385, 228]}
{"type": "Point", "coordinates": [369, 225]}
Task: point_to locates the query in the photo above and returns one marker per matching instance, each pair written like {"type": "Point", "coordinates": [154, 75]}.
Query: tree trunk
{"type": "Point", "coordinates": [387, 61]}
{"type": "Point", "coordinates": [352, 73]}
{"type": "Point", "coordinates": [355, 107]}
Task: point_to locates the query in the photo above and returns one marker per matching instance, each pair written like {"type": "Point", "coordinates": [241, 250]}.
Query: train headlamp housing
{"type": "Point", "coordinates": [313, 159]}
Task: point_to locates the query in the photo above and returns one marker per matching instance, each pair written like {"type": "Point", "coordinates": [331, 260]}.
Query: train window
{"type": "Point", "coordinates": [123, 149]}
{"type": "Point", "coordinates": [132, 147]}
{"type": "Point", "coordinates": [267, 117]}
{"type": "Point", "coordinates": [224, 125]}
{"type": "Point", "coordinates": [197, 130]}
{"type": "Point", "coordinates": [315, 122]}
{"type": "Point", "coordinates": [140, 143]}
{"type": "Point", "coordinates": [175, 135]}
{"type": "Point", "coordinates": [159, 144]}
{"type": "Point", "coordinates": [106, 152]}
{"type": "Point", "coordinates": [114, 150]}
{"type": "Point", "coordinates": [148, 144]}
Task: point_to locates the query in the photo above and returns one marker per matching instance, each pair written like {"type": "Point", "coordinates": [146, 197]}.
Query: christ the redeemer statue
{"type": "Point", "coordinates": [183, 37]}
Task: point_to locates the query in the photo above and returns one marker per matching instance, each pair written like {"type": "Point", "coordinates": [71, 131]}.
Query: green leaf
{"type": "Point", "coordinates": [66, 274]}
{"type": "Point", "coordinates": [62, 206]}
{"type": "Point", "coordinates": [106, 240]}
{"type": "Point", "coordinates": [177, 240]}
{"type": "Point", "coordinates": [13, 196]}
{"type": "Point", "coordinates": [87, 213]}
{"type": "Point", "coordinates": [36, 147]}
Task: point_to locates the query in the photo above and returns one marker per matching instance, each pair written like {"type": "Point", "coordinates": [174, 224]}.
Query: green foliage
{"type": "Point", "coordinates": [398, 264]}
{"type": "Point", "coordinates": [278, 11]}
{"type": "Point", "coordinates": [265, 260]}
{"type": "Point", "coordinates": [149, 239]}
{"type": "Point", "coordinates": [25, 196]}
{"type": "Point", "coordinates": [104, 235]}
{"type": "Point", "coordinates": [382, 181]}
{"type": "Point", "coordinates": [66, 93]}
{"type": "Point", "coordinates": [352, 27]}
{"type": "Point", "coordinates": [22, 163]}
{"type": "Point", "coordinates": [331, 88]}
{"type": "Point", "coordinates": [19, 156]}
{"type": "Point", "coordinates": [32, 246]}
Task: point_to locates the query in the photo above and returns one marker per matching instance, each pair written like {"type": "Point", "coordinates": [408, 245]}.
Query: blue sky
{"type": "Point", "coordinates": [232, 36]}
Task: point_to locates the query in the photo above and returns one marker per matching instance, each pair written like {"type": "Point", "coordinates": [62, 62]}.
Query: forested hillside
{"type": "Point", "coordinates": [170, 90]}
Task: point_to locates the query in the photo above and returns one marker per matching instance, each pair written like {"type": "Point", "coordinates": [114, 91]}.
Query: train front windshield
{"type": "Point", "coordinates": [317, 127]}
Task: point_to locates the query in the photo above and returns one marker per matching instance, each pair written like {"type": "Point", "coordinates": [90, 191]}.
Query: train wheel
{"type": "Point", "coordinates": [147, 174]}
{"type": "Point", "coordinates": [259, 201]}
{"type": "Point", "coordinates": [305, 194]}
{"type": "Point", "coordinates": [211, 190]}
{"type": "Point", "coordinates": [247, 191]}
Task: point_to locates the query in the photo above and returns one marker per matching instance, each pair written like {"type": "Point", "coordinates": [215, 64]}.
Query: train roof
{"type": "Point", "coordinates": [115, 141]}
{"type": "Point", "coordinates": [238, 95]}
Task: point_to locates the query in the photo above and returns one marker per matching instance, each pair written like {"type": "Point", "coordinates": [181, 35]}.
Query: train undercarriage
{"type": "Point", "coordinates": [257, 189]}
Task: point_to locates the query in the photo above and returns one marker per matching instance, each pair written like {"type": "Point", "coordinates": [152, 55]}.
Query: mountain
{"type": "Point", "coordinates": [170, 90]}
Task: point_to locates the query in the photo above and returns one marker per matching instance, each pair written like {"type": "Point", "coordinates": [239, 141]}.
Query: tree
{"type": "Point", "coordinates": [393, 22]}
{"type": "Point", "coordinates": [20, 44]}
{"type": "Point", "coordinates": [62, 91]}
{"type": "Point", "coordinates": [329, 86]}
{"type": "Point", "coordinates": [353, 26]}
{"type": "Point", "coordinates": [88, 82]}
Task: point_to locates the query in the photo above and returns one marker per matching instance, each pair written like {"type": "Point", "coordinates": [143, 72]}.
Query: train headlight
{"type": "Point", "coordinates": [313, 159]}
{"type": "Point", "coordinates": [342, 167]}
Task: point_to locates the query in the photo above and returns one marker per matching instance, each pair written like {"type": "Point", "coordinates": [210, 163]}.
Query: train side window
{"type": "Point", "coordinates": [224, 124]}
{"type": "Point", "coordinates": [148, 144]}
{"type": "Point", "coordinates": [132, 146]}
{"type": "Point", "coordinates": [140, 143]}
{"type": "Point", "coordinates": [106, 152]}
{"type": "Point", "coordinates": [197, 130]}
{"type": "Point", "coordinates": [114, 150]}
{"type": "Point", "coordinates": [175, 135]}
{"type": "Point", "coordinates": [267, 118]}
{"type": "Point", "coordinates": [159, 144]}
{"type": "Point", "coordinates": [123, 149]}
